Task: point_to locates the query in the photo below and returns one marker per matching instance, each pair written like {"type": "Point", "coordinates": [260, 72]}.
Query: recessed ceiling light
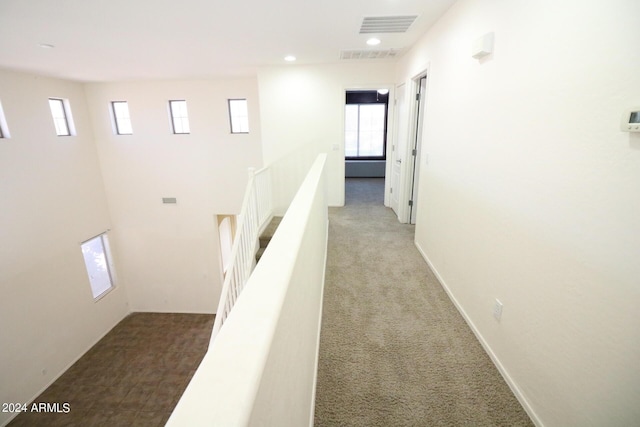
{"type": "Point", "coordinates": [46, 46]}
{"type": "Point", "coordinates": [373, 41]}
{"type": "Point", "coordinates": [289, 58]}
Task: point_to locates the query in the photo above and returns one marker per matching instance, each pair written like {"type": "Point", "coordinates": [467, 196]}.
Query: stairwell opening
{"type": "Point", "coordinates": [266, 236]}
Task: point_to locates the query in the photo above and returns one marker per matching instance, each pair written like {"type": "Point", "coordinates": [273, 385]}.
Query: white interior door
{"type": "Point", "coordinates": [398, 150]}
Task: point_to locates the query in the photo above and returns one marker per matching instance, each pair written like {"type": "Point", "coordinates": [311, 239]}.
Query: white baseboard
{"type": "Point", "coordinates": [164, 311]}
{"type": "Point", "coordinates": [510, 382]}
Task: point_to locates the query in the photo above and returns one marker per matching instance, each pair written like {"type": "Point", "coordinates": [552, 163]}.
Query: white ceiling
{"type": "Point", "coordinates": [107, 40]}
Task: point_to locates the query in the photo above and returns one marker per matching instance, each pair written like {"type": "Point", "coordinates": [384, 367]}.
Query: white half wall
{"type": "Point", "coordinates": [302, 109]}
{"type": "Point", "coordinates": [531, 195]}
{"type": "Point", "coordinates": [260, 369]}
{"type": "Point", "coordinates": [170, 256]}
{"type": "Point", "coordinates": [53, 199]}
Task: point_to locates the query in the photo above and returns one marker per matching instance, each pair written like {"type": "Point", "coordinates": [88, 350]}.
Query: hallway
{"type": "Point", "coordinates": [394, 351]}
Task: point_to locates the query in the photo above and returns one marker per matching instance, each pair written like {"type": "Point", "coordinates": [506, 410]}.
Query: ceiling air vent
{"type": "Point", "coordinates": [386, 24]}
{"type": "Point", "coordinates": [369, 54]}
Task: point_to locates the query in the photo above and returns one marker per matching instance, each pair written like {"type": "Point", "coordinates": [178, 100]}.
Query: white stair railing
{"type": "Point", "coordinates": [261, 368]}
{"type": "Point", "coordinates": [255, 214]}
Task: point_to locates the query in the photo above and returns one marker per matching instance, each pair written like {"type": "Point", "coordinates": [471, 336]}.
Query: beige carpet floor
{"type": "Point", "coordinates": [394, 351]}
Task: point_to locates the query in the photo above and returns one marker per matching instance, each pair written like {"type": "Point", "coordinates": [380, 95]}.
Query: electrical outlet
{"type": "Point", "coordinates": [497, 310]}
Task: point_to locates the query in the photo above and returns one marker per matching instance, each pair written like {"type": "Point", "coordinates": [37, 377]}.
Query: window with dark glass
{"type": "Point", "coordinates": [365, 125]}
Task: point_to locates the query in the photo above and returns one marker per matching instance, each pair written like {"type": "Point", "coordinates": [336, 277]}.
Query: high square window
{"type": "Point", "coordinates": [97, 260]}
{"type": "Point", "coordinates": [121, 117]}
{"type": "Point", "coordinates": [61, 113]}
{"type": "Point", "coordinates": [239, 115]}
{"type": "Point", "coordinates": [179, 116]}
{"type": "Point", "coordinates": [4, 129]}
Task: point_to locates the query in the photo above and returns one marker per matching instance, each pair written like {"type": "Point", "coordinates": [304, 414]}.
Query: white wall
{"type": "Point", "coordinates": [52, 199]}
{"type": "Point", "coordinates": [532, 195]}
{"type": "Point", "coordinates": [170, 256]}
{"type": "Point", "coordinates": [302, 108]}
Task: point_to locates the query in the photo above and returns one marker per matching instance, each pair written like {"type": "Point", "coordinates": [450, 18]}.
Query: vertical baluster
{"type": "Point", "coordinates": [232, 296]}
{"type": "Point", "coordinates": [254, 202]}
{"type": "Point", "coordinates": [241, 277]}
{"type": "Point", "coordinates": [256, 209]}
{"type": "Point", "coordinates": [227, 307]}
{"type": "Point", "coordinates": [241, 253]}
{"type": "Point", "coordinates": [234, 289]}
{"type": "Point", "coordinates": [238, 287]}
{"type": "Point", "coordinates": [245, 251]}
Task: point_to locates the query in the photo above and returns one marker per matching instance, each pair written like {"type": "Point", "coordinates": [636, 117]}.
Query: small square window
{"type": "Point", "coordinates": [61, 113]}
{"type": "Point", "coordinates": [239, 115]}
{"type": "Point", "coordinates": [4, 129]}
{"type": "Point", "coordinates": [97, 261]}
{"type": "Point", "coordinates": [121, 117]}
{"type": "Point", "coordinates": [179, 116]}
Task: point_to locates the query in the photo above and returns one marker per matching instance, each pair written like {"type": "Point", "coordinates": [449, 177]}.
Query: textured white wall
{"type": "Point", "coordinates": [302, 109]}
{"type": "Point", "coordinates": [532, 195]}
{"type": "Point", "coordinates": [52, 199]}
{"type": "Point", "coordinates": [170, 256]}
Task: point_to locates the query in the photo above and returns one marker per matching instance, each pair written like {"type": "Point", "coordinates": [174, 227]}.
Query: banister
{"type": "Point", "coordinates": [255, 213]}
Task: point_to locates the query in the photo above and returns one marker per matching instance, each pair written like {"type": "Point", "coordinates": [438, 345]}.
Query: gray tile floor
{"type": "Point", "coordinates": [134, 376]}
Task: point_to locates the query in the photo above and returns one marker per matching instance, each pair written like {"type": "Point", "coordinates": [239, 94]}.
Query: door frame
{"type": "Point", "coordinates": [418, 127]}
{"type": "Point", "coordinates": [397, 152]}
{"type": "Point", "coordinates": [410, 168]}
{"type": "Point", "coordinates": [390, 124]}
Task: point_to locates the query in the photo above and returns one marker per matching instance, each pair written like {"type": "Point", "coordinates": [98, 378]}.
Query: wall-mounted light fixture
{"type": "Point", "coordinates": [483, 46]}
